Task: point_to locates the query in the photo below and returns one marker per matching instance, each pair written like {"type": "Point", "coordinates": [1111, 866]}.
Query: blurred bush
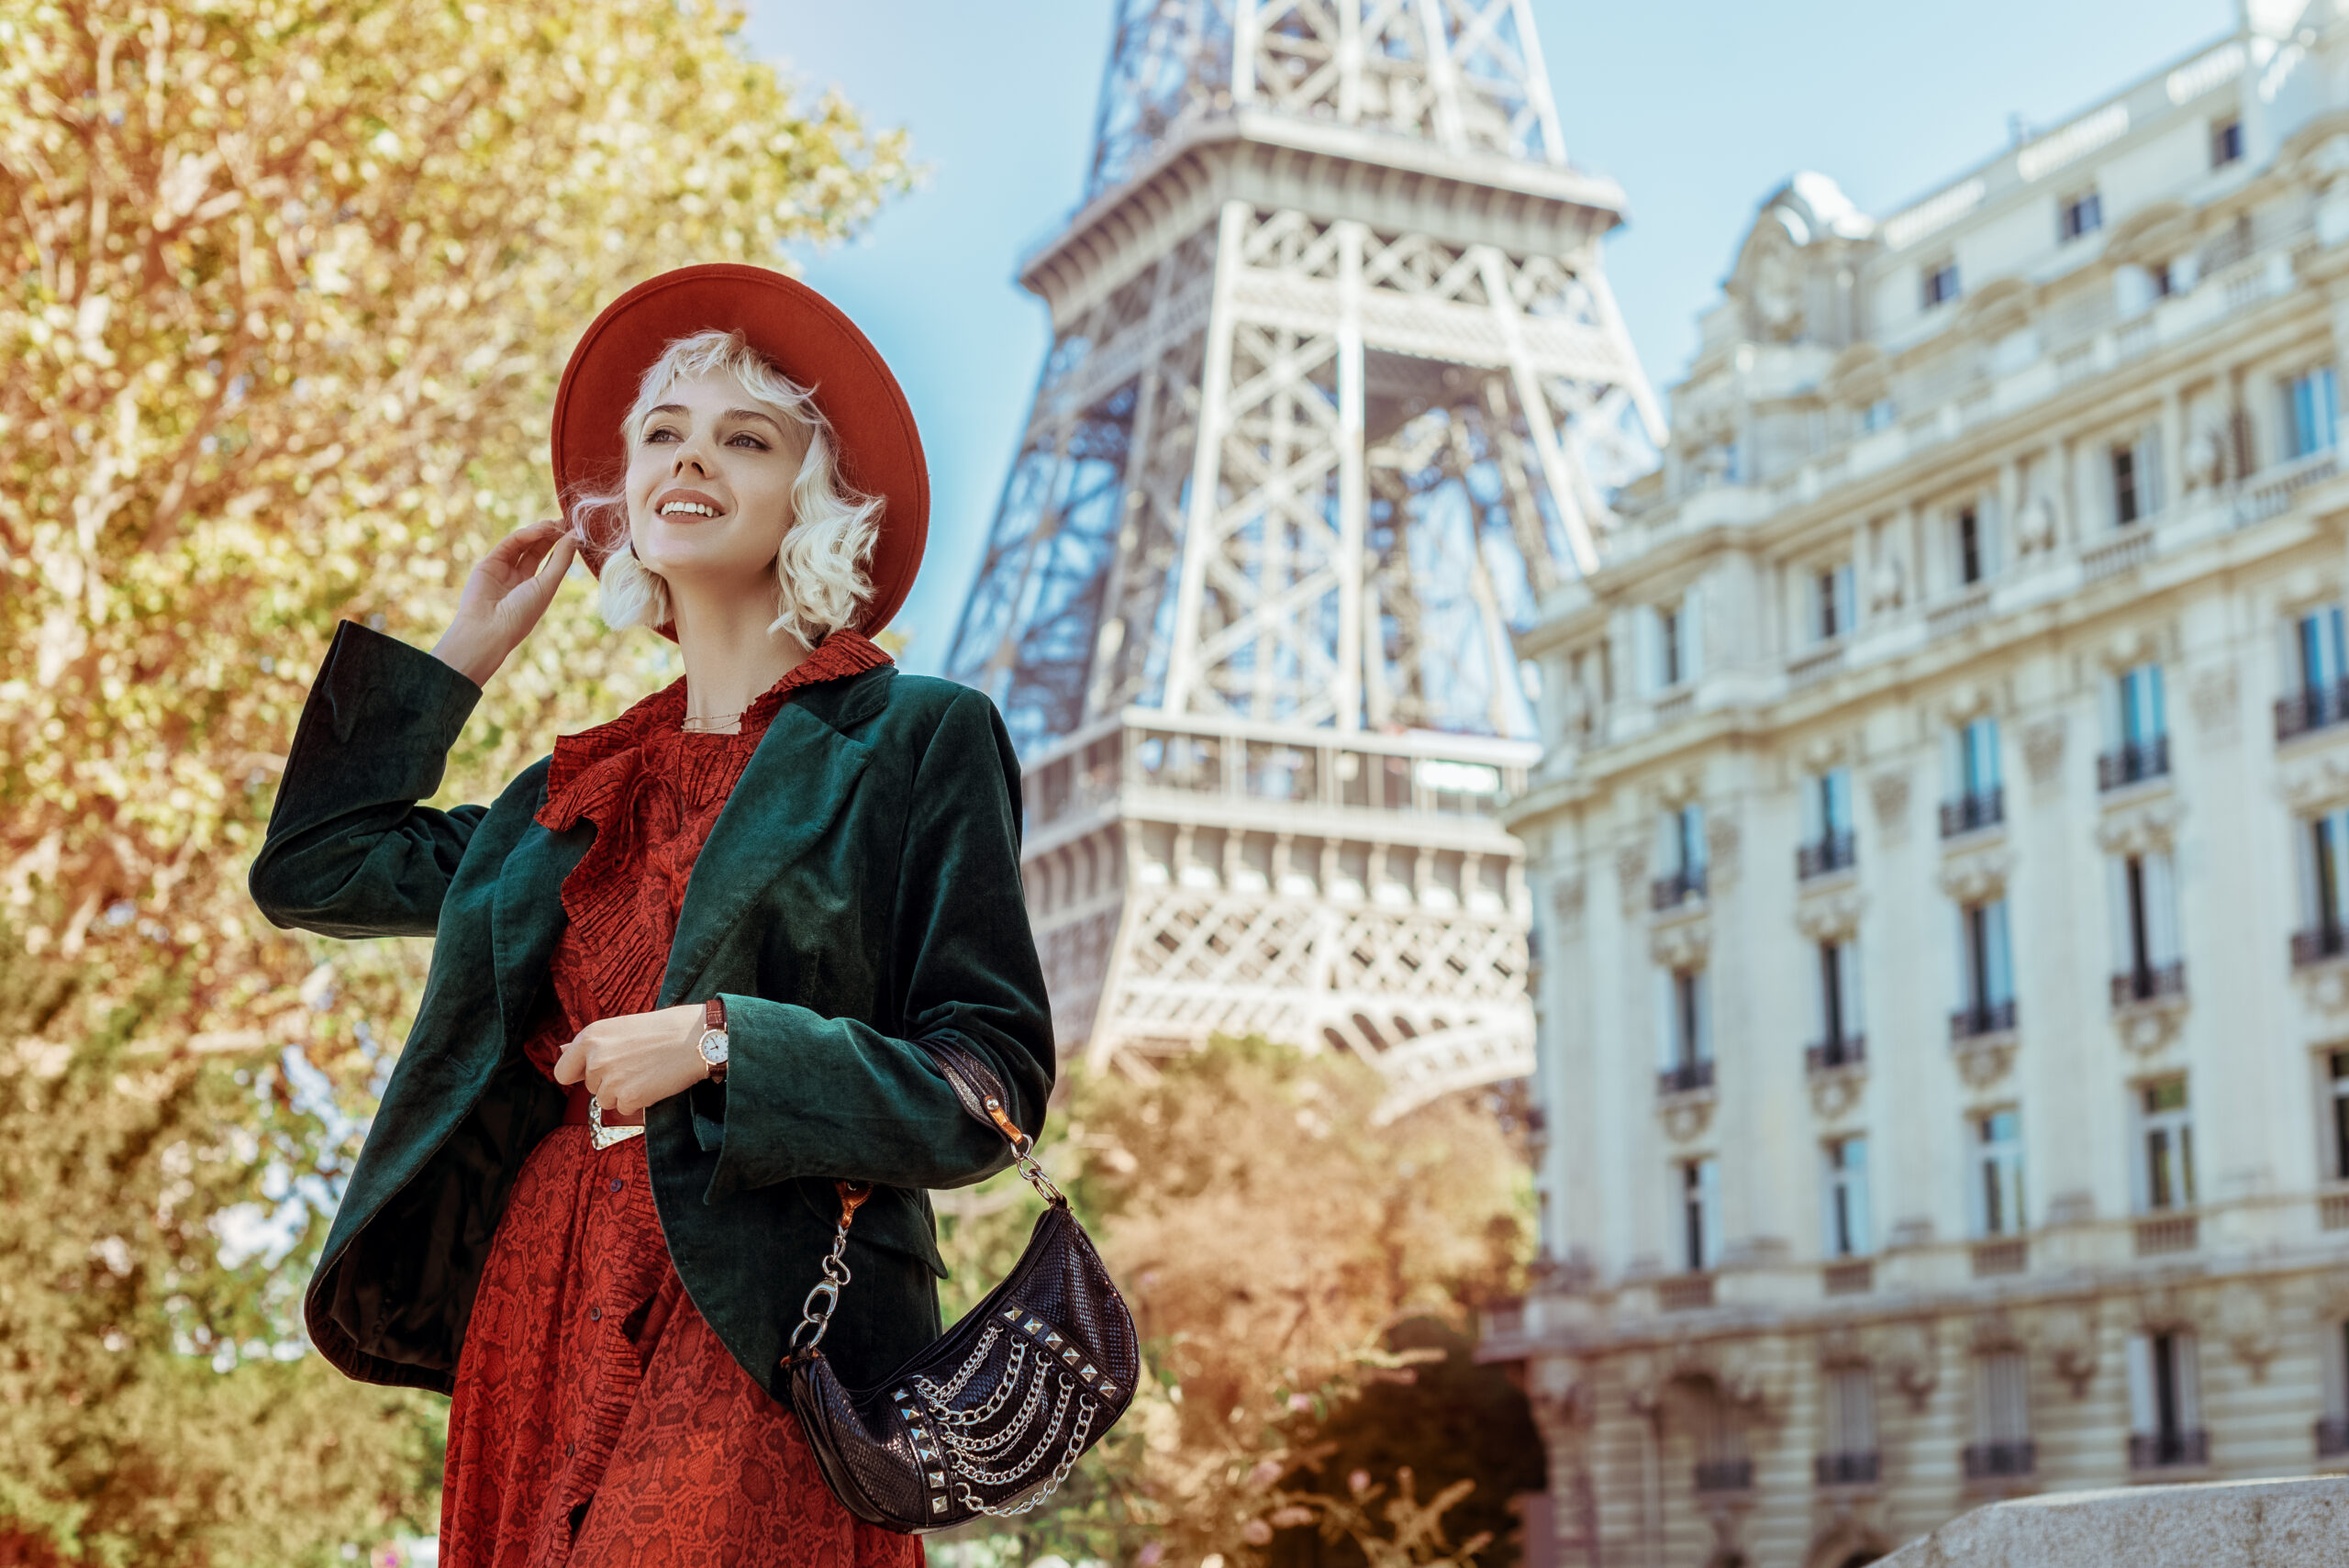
{"type": "Point", "coordinates": [289, 286]}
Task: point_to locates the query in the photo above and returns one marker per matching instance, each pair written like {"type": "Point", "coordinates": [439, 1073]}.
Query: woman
{"type": "Point", "coordinates": [681, 965]}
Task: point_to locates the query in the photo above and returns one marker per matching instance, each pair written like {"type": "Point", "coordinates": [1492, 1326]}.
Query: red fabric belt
{"type": "Point", "coordinates": [574, 1110]}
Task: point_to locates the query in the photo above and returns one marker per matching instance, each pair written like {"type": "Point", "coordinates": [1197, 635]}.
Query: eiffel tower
{"type": "Point", "coordinates": [1336, 393]}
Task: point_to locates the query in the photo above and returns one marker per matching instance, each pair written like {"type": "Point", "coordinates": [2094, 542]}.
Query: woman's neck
{"type": "Point", "coordinates": [730, 656]}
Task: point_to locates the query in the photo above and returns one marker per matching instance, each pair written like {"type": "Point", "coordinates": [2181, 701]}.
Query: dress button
{"type": "Point", "coordinates": [570, 1451]}
{"type": "Point", "coordinates": [594, 1315]}
{"type": "Point", "coordinates": [616, 1184]}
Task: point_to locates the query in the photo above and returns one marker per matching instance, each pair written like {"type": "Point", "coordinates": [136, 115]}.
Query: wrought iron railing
{"type": "Point", "coordinates": [2133, 762]}
{"type": "Point", "coordinates": [1685, 1293]}
{"type": "Point", "coordinates": [1685, 1078]}
{"type": "Point", "coordinates": [2332, 1436]}
{"type": "Point", "coordinates": [2016, 1456]}
{"type": "Point", "coordinates": [2312, 708]}
{"type": "Point", "coordinates": [2003, 1255]}
{"type": "Point", "coordinates": [1982, 1018]}
{"type": "Point", "coordinates": [1973, 811]}
{"type": "Point", "coordinates": [2149, 983]}
{"type": "Point", "coordinates": [1724, 1476]}
{"type": "Point", "coordinates": [2160, 1450]}
{"type": "Point", "coordinates": [1831, 853]}
{"type": "Point", "coordinates": [1671, 891]}
{"type": "Point", "coordinates": [1845, 1469]}
{"type": "Point", "coordinates": [2319, 943]}
{"type": "Point", "coordinates": [2160, 1234]}
{"type": "Point", "coordinates": [1844, 1050]}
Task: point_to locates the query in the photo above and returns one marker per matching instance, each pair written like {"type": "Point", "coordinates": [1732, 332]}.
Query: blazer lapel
{"type": "Point", "coordinates": [794, 785]}
{"type": "Point", "coordinates": [526, 915]}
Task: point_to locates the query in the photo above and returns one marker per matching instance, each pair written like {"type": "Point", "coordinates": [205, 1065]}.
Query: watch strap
{"type": "Point", "coordinates": [714, 1020]}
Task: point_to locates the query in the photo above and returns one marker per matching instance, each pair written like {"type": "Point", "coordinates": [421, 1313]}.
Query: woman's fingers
{"type": "Point", "coordinates": [572, 1065]}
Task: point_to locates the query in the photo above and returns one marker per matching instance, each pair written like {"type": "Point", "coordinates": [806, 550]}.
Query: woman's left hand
{"type": "Point", "coordinates": [632, 1061]}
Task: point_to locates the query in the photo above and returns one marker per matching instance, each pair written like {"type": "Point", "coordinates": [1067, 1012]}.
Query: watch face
{"type": "Point", "coordinates": [713, 1047]}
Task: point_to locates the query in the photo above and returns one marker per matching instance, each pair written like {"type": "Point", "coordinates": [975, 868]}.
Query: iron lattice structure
{"type": "Point", "coordinates": [1337, 392]}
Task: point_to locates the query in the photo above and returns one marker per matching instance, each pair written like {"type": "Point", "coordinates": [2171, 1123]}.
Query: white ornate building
{"type": "Point", "coordinates": [1937, 852]}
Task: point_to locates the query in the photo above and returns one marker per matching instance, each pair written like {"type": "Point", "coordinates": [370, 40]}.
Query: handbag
{"type": "Point", "coordinates": [990, 1419]}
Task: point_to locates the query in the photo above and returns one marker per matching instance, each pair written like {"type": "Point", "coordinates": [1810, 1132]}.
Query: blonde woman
{"type": "Point", "coordinates": [680, 965]}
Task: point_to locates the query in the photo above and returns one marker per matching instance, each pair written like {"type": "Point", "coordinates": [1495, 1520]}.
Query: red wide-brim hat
{"type": "Point", "coordinates": [809, 340]}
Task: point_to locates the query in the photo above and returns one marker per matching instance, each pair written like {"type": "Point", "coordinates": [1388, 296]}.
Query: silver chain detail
{"type": "Point", "coordinates": [1083, 1424]}
{"type": "Point", "coordinates": [961, 1378]}
{"type": "Point", "coordinates": [835, 1270]}
{"type": "Point", "coordinates": [1044, 1445]}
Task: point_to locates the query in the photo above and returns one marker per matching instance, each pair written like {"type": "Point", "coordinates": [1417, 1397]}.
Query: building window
{"type": "Point", "coordinates": [2324, 858]}
{"type": "Point", "coordinates": [1997, 1162]}
{"type": "Point", "coordinates": [1940, 283]}
{"type": "Point", "coordinates": [1847, 1197]}
{"type": "Point", "coordinates": [2078, 215]}
{"type": "Point", "coordinates": [2226, 143]}
{"type": "Point", "coordinates": [1877, 415]}
{"type": "Point", "coordinates": [1674, 654]}
{"type": "Point", "coordinates": [2127, 500]}
{"type": "Point", "coordinates": [1828, 842]}
{"type": "Point", "coordinates": [2337, 1069]}
{"type": "Point", "coordinates": [1972, 564]}
{"type": "Point", "coordinates": [1680, 856]}
{"type": "Point", "coordinates": [2166, 1401]}
{"type": "Point", "coordinates": [2163, 279]}
{"type": "Point", "coordinates": [2169, 1134]}
{"type": "Point", "coordinates": [1970, 761]}
{"type": "Point", "coordinates": [2315, 672]}
{"type": "Point", "coordinates": [2136, 718]}
{"type": "Point", "coordinates": [1840, 1038]}
{"type": "Point", "coordinates": [2333, 1427]}
{"type": "Point", "coordinates": [1699, 1214]}
{"type": "Point", "coordinates": [1835, 601]}
{"type": "Point", "coordinates": [1847, 1444]}
{"type": "Point", "coordinates": [1669, 660]}
{"type": "Point", "coordinates": [1685, 1032]}
{"type": "Point", "coordinates": [2147, 964]}
{"type": "Point", "coordinates": [1986, 984]}
{"type": "Point", "coordinates": [2311, 413]}
{"type": "Point", "coordinates": [2002, 1444]}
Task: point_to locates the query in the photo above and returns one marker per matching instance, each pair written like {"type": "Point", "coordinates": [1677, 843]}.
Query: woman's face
{"type": "Point", "coordinates": [709, 483]}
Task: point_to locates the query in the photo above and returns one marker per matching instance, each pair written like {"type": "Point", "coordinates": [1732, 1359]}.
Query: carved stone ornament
{"type": "Point", "coordinates": [2206, 457]}
{"type": "Point", "coordinates": [1992, 1331]}
{"type": "Point", "coordinates": [1631, 877]}
{"type": "Point", "coordinates": [1559, 1394]}
{"type": "Point", "coordinates": [1976, 877]}
{"type": "Point", "coordinates": [1912, 1356]}
{"type": "Point", "coordinates": [1566, 894]}
{"type": "Point", "coordinates": [1984, 1060]}
{"type": "Point", "coordinates": [1687, 1114]}
{"type": "Point", "coordinates": [1821, 752]}
{"type": "Point", "coordinates": [2043, 752]}
{"type": "Point", "coordinates": [2151, 1027]}
{"type": "Point", "coordinates": [1888, 583]}
{"type": "Point", "coordinates": [1750, 1374]}
{"type": "Point", "coordinates": [2143, 828]}
{"type": "Point", "coordinates": [1840, 1346]}
{"type": "Point", "coordinates": [1834, 1091]}
{"type": "Point", "coordinates": [1677, 787]}
{"type": "Point", "coordinates": [1965, 702]}
{"type": "Point", "coordinates": [1830, 915]}
{"type": "Point", "coordinates": [2316, 784]}
{"type": "Point", "coordinates": [2218, 703]}
{"type": "Point", "coordinates": [2035, 525]}
{"type": "Point", "coordinates": [2246, 1317]}
{"type": "Point", "coordinates": [2326, 986]}
{"type": "Point", "coordinates": [1681, 944]}
{"type": "Point", "coordinates": [1889, 791]}
{"type": "Point", "coordinates": [2068, 1330]}
{"type": "Point", "coordinates": [1721, 843]}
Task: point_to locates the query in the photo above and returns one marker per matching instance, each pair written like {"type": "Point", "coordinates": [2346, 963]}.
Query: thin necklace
{"type": "Point", "coordinates": [701, 724]}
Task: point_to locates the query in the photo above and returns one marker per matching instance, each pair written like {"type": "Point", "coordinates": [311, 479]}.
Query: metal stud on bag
{"type": "Point", "coordinates": [991, 1418]}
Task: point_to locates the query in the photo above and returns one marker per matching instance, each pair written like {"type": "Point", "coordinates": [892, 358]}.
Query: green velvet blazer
{"type": "Point", "coordinates": [859, 891]}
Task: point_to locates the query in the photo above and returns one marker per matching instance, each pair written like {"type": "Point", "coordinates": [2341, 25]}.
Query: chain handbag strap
{"type": "Point", "coordinates": [976, 1090]}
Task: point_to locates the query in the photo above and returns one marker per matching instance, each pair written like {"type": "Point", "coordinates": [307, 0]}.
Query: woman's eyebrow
{"type": "Point", "coordinates": [755, 414]}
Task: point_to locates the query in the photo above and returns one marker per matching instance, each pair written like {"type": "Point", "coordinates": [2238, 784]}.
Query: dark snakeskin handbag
{"type": "Point", "coordinates": [989, 1419]}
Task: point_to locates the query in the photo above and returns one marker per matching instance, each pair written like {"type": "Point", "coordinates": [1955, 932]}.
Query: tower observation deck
{"type": "Point", "coordinates": [1337, 392]}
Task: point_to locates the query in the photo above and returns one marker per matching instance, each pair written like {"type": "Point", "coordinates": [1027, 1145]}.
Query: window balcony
{"type": "Point", "coordinates": [2149, 983]}
{"type": "Point", "coordinates": [1853, 1276]}
{"type": "Point", "coordinates": [2332, 1436]}
{"type": "Point", "coordinates": [2319, 944]}
{"type": "Point", "coordinates": [1999, 1461]}
{"type": "Point", "coordinates": [1847, 1050]}
{"type": "Point", "coordinates": [1724, 1476]}
{"type": "Point", "coordinates": [2169, 1451]}
{"type": "Point", "coordinates": [2160, 1234]}
{"type": "Point", "coordinates": [1982, 1018]}
{"type": "Point", "coordinates": [1832, 853]}
{"type": "Point", "coordinates": [1685, 1079]}
{"type": "Point", "coordinates": [2001, 1255]}
{"type": "Point", "coordinates": [1685, 1293]}
{"type": "Point", "coordinates": [1683, 886]}
{"type": "Point", "coordinates": [2133, 763]}
{"type": "Point", "coordinates": [1845, 1469]}
{"type": "Point", "coordinates": [2312, 708]}
{"type": "Point", "coordinates": [1973, 811]}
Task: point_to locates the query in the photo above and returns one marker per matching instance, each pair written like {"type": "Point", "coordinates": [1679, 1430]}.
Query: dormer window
{"type": "Point", "coordinates": [2226, 143]}
{"type": "Point", "coordinates": [1940, 282]}
{"type": "Point", "coordinates": [2081, 214]}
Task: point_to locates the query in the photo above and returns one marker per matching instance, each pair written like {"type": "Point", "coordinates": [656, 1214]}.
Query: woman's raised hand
{"type": "Point", "coordinates": [505, 597]}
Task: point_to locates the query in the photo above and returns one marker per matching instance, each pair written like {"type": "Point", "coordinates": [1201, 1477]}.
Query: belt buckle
{"type": "Point", "coordinates": [603, 1136]}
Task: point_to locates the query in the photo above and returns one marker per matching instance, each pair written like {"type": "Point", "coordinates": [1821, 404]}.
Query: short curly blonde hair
{"type": "Point", "coordinates": [822, 582]}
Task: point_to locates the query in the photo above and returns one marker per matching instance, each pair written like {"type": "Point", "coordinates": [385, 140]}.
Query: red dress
{"type": "Point", "coordinates": [597, 1421]}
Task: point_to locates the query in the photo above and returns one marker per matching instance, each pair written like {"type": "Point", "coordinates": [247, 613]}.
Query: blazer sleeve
{"type": "Point", "coordinates": [808, 1095]}
{"type": "Point", "coordinates": [350, 853]}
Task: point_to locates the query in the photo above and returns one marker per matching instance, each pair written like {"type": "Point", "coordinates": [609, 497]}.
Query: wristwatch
{"type": "Point", "coordinates": [713, 1039]}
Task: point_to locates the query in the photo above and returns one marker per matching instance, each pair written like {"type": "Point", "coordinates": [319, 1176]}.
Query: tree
{"type": "Point", "coordinates": [1268, 1235]}
{"type": "Point", "coordinates": [289, 286]}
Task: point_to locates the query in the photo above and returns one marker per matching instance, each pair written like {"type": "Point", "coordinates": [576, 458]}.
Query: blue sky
{"type": "Point", "coordinates": [1699, 110]}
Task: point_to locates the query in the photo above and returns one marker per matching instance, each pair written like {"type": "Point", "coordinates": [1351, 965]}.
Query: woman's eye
{"type": "Point", "coordinates": [755, 444]}
{"type": "Point", "coordinates": [660, 435]}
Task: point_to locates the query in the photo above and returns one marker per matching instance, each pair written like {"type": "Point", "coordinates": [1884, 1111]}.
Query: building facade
{"type": "Point", "coordinates": [1937, 854]}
